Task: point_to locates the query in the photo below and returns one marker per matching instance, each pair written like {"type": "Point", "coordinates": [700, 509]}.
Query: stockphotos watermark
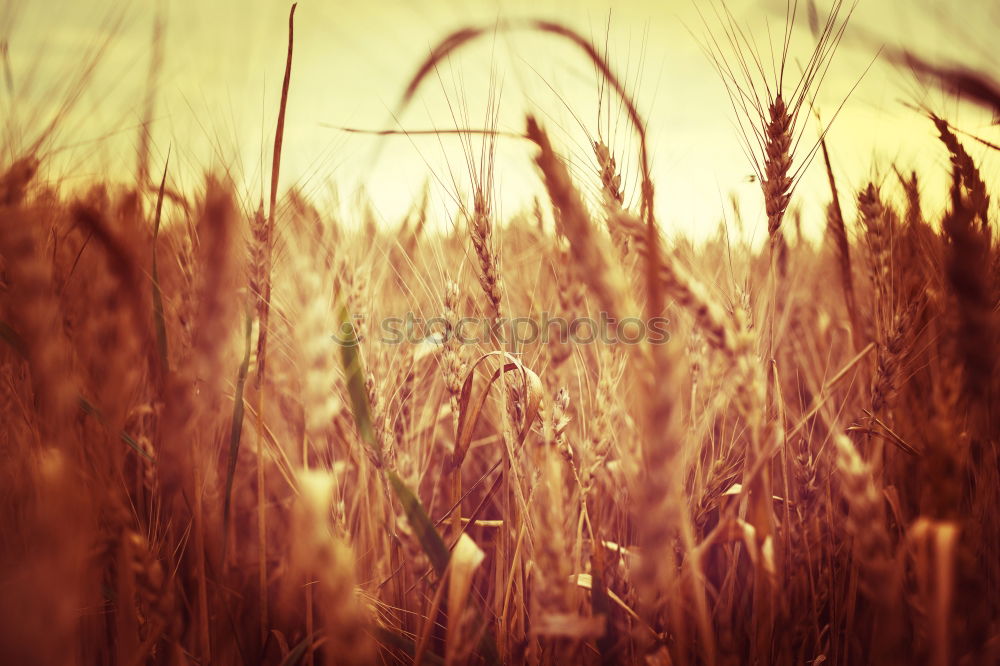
{"type": "Point", "coordinates": [518, 331]}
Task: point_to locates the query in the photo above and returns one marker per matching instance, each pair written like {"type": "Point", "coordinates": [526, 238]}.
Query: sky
{"type": "Point", "coordinates": [217, 90]}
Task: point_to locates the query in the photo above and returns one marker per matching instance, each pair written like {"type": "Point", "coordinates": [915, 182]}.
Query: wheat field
{"type": "Point", "coordinates": [242, 431]}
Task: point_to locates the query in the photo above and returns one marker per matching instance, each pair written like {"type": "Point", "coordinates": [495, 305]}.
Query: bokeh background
{"type": "Point", "coordinates": [217, 85]}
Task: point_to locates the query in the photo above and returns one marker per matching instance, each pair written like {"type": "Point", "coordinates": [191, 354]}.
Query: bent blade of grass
{"type": "Point", "coordinates": [470, 408]}
{"type": "Point", "coordinates": [463, 36]}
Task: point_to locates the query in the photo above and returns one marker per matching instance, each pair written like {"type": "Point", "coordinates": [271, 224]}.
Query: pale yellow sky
{"type": "Point", "coordinates": [218, 95]}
